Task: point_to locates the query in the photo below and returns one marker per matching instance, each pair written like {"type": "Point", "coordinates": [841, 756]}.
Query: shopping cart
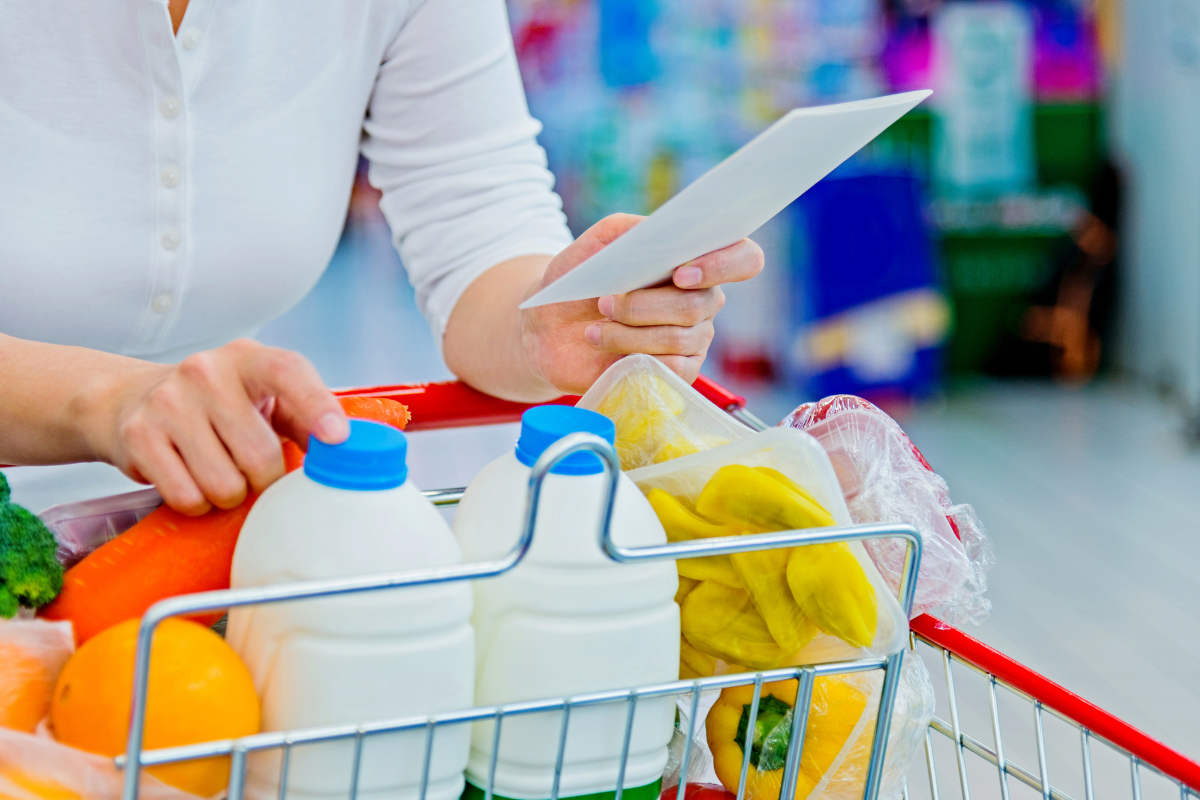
{"type": "Point", "coordinates": [447, 405]}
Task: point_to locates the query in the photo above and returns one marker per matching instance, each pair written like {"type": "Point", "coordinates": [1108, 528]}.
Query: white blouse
{"type": "Point", "coordinates": [161, 194]}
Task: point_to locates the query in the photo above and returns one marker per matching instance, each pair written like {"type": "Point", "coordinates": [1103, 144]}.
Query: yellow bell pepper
{"type": "Point", "coordinates": [645, 410]}
{"type": "Point", "coordinates": [679, 446]}
{"type": "Point", "coordinates": [764, 574]}
{"type": "Point", "coordinates": [722, 622]}
{"type": "Point", "coordinates": [685, 586]}
{"type": "Point", "coordinates": [830, 586]}
{"type": "Point", "coordinates": [826, 581]}
{"type": "Point", "coordinates": [838, 704]}
{"type": "Point", "coordinates": [789, 483]}
{"type": "Point", "coordinates": [693, 663]}
{"type": "Point", "coordinates": [741, 495]}
{"type": "Point", "coordinates": [683, 524]}
{"type": "Point", "coordinates": [710, 568]}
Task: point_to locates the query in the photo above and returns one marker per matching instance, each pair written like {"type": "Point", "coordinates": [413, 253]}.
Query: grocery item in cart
{"type": "Point", "coordinates": [567, 620]}
{"type": "Point", "coordinates": [352, 511]}
{"type": "Point", "coordinates": [165, 554]}
{"type": "Point", "coordinates": [657, 416]}
{"type": "Point", "coordinates": [30, 574]}
{"type": "Point", "coordinates": [886, 479]}
{"type": "Point", "coordinates": [126, 553]}
{"type": "Point", "coordinates": [31, 654]}
{"type": "Point", "coordinates": [838, 734]}
{"type": "Point", "coordinates": [35, 767]}
{"type": "Point", "coordinates": [770, 608]}
{"type": "Point", "coordinates": [198, 692]}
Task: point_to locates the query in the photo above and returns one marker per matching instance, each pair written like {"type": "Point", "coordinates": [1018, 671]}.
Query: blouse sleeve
{"type": "Point", "coordinates": [452, 147]}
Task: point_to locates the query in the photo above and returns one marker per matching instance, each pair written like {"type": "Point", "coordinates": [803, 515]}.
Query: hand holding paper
{"type": "Point", "coordinates": [570, 344]}
{"type": "Point", "coordinates": [732, 200]}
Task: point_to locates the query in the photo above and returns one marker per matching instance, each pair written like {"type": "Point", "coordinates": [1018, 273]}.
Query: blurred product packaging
{"type": "Point", "coordinates": [983, 130]}
{"type": "Point", "coordinates": [963, 212]}
{"type": "Point", "coordinates": [872, 319]}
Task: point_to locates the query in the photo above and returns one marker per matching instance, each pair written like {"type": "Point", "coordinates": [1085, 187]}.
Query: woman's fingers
{"type": "Point", "coordinates": [664, 305]}
{"type": "Point", "coordinates": [738, 262]}
{"type": "Point", "coordinates": [613, 337]}
{"type": "Point", "coordinates": [205, 431]}
{"type": "Point", "coordinates": [686, 367]}
{"type": "Point", "coordinates": [303, 405]}
{"type": "Point", "coordinates": [210, 465]}
{"type": "Point", "coordinates": [152, 456]}
{"type": "Point", "coordinates": [249, 445]}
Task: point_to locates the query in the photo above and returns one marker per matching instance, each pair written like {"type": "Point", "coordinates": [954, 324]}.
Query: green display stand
{"type": "Point", "coordinates": [992, 277]}
{"type": "Point", "coordinates": [1069, 143]}
{"type": "Point", "coordinates": [648, 792]}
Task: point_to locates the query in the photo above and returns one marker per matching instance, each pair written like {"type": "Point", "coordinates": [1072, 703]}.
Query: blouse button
{"type": "Point", "coordinates": [191, 39]}
{"type": "Point", "coordinates": [170, 176]}
{"type": "Point", "coordinates": [170, 107]}
{"type": "Point", "coordinates": [171, 238]}
{"type": "Point", "coordinates": [161, 303]}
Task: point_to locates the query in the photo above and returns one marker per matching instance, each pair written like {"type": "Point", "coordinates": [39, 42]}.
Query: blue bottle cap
{"type": "Point", "coordinates": [372, 458]}
{"type": "Point", "coordinates": [542, 426]}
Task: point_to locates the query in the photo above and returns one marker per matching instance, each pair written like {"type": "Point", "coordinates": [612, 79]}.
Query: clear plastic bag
{"type": "Point", "coordinates": [658, 417]}
{"type": "Point", "coordinates": [772, 608]}
{"type": "Point", "coordinates": [886, 479]}
{"type": "Point", "coordinates": [839, 734]}
{"type": "Point", "coordinates": [35, 767]}
{"type": "Point", "coordinates": [32, 653]}
{"type": "Point", "coordinates": [79, 528]}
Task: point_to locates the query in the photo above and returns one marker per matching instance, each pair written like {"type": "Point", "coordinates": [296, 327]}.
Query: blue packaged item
{"type": "Point", "coordinates": [870, 319]}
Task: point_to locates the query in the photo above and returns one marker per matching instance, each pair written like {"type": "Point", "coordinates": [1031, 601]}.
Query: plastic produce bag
{"type": "Point", "coordinates": [699, 762]}
{"type": "Point", "coordinates": [838, 737]}
{"type": "Point", "coordinates": [32, 653]}
{"type": "Point", "coordinates": [658, 417]}
{"type": "Point", "coordinates": [772, 608]}
{"type": "Point", "coordinates": [35, 767]}
{"type": "Point", "coordinates": [79, 528]}
{"type": "Point", "coordinates": [886, 479]}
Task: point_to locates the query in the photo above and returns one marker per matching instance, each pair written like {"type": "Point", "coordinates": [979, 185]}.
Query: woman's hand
{"type": "Point", "coordinates": [539, 354]}
{"type": "Point", "coordinates": [570, 344]}
{"type": "Point", "coordinates": [206, 430]}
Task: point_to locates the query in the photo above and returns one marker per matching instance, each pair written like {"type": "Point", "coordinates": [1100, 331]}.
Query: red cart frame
{"type": "Point", "coordinates": [453, 404]}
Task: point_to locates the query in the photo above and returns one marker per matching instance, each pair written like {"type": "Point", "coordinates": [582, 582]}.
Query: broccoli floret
{"type": "Point", "coordinates": [30, 574]}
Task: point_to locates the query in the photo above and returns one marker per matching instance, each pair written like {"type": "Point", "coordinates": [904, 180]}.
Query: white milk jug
{"type": "Point", "coordinates": [567, 620]}
{"type": "Point", "coordinates": [355, 658]}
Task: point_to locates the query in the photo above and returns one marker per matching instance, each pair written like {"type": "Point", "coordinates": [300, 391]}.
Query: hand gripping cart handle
{"type": "Point", "coordinates": [452, 404]}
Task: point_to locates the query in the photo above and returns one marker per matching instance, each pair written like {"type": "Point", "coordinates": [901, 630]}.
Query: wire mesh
{"type": "Point", "coordinates": [975, 757]}
{"type": "Point", "coordinates": [243, 750]}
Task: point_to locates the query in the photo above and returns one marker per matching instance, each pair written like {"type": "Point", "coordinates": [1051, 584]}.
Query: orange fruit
{"type": "Point", "coordinates": [26, 684]}
{"type": "Point", "coordinates": [199, 691]}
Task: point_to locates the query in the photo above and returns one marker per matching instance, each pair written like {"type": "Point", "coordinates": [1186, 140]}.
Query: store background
{"type": "Point", "coordinates": [1013, 271]}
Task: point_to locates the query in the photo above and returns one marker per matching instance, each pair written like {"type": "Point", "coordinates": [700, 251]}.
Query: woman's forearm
{"type": "Point", "coordinates": [50, 396]}
{"type": "Point", "coordinates": [484, 342]}
{"type": "Point", "coordinates": [204, 431]}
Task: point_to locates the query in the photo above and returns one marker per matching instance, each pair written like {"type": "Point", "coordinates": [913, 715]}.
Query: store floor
{"type": "Point", "coordinates": [1091, 497]}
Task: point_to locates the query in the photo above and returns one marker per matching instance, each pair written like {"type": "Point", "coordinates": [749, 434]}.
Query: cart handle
{"type": "Point", "coordinates": [453, 404]}
{"type": "Point", "coordinates": [1093, 718]}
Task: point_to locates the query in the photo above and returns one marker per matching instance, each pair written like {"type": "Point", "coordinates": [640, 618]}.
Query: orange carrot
{"type": "Point", "coordinates": [168, 553]}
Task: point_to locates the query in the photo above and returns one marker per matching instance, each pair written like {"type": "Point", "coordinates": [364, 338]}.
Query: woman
{"type": "Point", "coordinates": [175, 174]}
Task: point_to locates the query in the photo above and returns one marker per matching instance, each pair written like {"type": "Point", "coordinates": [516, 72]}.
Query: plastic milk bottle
{"type": "Point", "coordinates": [361, 657]}
{"type": "Point", "coordinates": [567, 620]}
